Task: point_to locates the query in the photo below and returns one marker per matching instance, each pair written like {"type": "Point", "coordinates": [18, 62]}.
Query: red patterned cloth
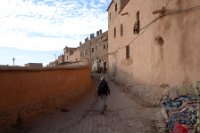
{"type": "Point", "coordinates": [178, 128]}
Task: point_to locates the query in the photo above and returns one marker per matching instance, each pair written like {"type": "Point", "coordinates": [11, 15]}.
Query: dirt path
{"type": "Point", "coordinates": [123, 115]}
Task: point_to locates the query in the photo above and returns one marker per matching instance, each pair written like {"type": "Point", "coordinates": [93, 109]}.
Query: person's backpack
{"type": "Point", "coordinates": [102, 88]}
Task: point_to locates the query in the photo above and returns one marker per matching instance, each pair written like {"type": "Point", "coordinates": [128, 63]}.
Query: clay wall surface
{"type": "Point", "coordinates": [166, 50]}
{"type": "Point", "coordinates": [29, 92]}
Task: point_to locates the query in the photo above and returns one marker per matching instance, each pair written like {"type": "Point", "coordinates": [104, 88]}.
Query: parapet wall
{"type": "Point", "coordinates": [26, 93]}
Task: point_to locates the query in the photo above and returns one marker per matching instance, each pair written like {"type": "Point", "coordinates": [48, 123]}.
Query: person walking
{"type": "Point", "coordinates": [102, 92]}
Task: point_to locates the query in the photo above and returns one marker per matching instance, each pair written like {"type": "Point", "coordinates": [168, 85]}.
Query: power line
{"type": "Point", "coordinates": [167, 3]}
{"type": "Point", "coordinates": [142, 30]}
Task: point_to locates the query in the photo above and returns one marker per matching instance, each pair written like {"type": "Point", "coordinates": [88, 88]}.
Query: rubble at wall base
{"type": "Point", "coordinates": [152, 95]}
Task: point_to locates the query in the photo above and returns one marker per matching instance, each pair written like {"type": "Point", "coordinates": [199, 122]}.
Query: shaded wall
{"type": "Point", "coordinates": [29, 92]}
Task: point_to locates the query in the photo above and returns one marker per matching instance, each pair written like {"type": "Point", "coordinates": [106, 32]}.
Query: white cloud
{"type": "Point", "coordinates": [103, 1]}
{"type": "Point", "coordinates": [63, 23]}
{"type": "Point", "coordinates": [35, 43]}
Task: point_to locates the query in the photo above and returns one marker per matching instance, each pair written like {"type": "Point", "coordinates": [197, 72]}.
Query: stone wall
{"type": "Point", "coordinates": [26, 93]}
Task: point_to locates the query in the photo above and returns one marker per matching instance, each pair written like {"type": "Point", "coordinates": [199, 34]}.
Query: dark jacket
{"type": "Point", "coordinates": [103, 88]}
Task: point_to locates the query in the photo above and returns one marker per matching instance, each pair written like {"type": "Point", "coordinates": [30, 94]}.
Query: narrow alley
{"type": "Point", "coordinates": [123, 115]}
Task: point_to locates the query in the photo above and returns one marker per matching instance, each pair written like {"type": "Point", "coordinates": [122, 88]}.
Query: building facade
{"type": "Point", "coordinates": [154, 42]}
{"type": "Point", "coordinates": [95, 51]}
{"type": "Point", "coordinates": [71, 54]}
{"type": "Point", "coordinates": [61, 59]}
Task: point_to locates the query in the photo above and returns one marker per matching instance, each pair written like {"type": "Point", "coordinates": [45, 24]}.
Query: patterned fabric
{"type": "Point", "coordinates": [180, 113]}
{"type": "Point", "coordinates": [177, 102]}
{"type": "Point", "coordinates": [186, 117]}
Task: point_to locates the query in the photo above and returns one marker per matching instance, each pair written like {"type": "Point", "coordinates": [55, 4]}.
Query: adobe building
{"type": "Point", "coordinates": [60, 59]}
{"type": "Point", "coordinates": [154, 42]}
{"type": "Point", "coordinates": [99, 52]}
{"type": "Point", "coordinates": [95, 51]}
{"type": "Point", "coordinates": [71, 54]}
{"type": "Point", "coordinates": [85, 52]}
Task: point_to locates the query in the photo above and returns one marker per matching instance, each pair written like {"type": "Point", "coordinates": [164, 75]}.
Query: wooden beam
{"type": "Point", "coordinates": [126, 13]}
{"type": "Point", "coordinates": [160, 11]}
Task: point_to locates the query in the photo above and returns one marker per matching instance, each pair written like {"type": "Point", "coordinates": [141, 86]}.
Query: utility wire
{"type": "Point", "coordinates": [142, 30]}
{"type": "Point", "coordinates": [167, 3]}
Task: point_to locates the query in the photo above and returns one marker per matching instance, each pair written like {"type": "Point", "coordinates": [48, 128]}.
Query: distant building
{"type": "Point", "coordinates": [71, 54]}
{"type": "Point", "coordinates": [61, 59]}
{"type": "Point", "coordinates": [85, 52]}
{"type": "Point", "coordinates": [4, 65]}
{"type": "Point", "coordinates": [95, 51]}
{"type": "Point", "coordinates": [34, 65]}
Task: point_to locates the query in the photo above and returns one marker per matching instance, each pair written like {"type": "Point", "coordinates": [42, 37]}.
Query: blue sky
{"type": "Point", "coordinates": [37, 30]}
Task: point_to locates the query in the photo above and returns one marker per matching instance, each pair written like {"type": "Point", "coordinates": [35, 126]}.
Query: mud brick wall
{"type": "Point", "coordinates": [26, 93]}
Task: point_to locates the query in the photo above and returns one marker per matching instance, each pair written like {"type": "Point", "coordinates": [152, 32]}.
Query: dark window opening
{"type": "Point", "coordinates": [115, 7]}
{"type": "Point", "coordinates": [159, 40]}
{"type": "Point", "coordinates": [114, 32]}
{"type": "Point", "coordinates": [136, 28]}
{"type": "Point", "coordinates": [92, 50]}
{"type": "Point", "coordinates": [104, 46]}
{"type": "Point", "coordinates": [121, 30]}
{"type": "Point", "coordinates": [127, 52]}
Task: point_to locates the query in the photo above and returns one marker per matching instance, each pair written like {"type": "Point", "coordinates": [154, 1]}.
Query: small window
{"type": "Point", "coordinates": [127, 52]}
{"type": "Point", "coordinates": [114, 32]}
{"type": "Point", "coordinates": [115, 7]}
{"type": "Point", "coordinates": [136, 28]}
{"type": "Point", "coordinates": [92, 50]}
{"type": "Point", "coordinates": [104, 46]}
{"type": "Point", "coordinates": [121, 30]}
